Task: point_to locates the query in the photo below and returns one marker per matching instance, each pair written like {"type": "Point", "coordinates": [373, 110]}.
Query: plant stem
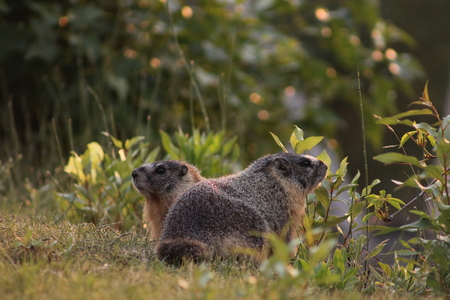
{"type": "Point", "coordinates": [366, 168]}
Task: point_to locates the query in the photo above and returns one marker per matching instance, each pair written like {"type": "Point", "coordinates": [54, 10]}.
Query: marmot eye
{"type": "Point", "coordinates": [160, 170]}
{"type": "Point", "coordinates": [305, 163]}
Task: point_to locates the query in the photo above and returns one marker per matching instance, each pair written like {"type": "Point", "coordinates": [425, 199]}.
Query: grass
{"type": "Point", "coordinates": [40, 259]}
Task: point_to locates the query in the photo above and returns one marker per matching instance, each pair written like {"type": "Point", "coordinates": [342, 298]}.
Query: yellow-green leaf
{"type": "Point", "coordinates": [279, 143]}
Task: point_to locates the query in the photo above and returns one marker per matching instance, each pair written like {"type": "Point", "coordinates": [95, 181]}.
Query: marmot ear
{"type": "Point", "coordinates": [183, 170]}
{"type": "Point", "coordinates": [283, 165]}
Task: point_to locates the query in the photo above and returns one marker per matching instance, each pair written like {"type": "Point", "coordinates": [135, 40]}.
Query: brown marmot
{"type": "Point", "coordinates": [161, 183]}
{"type": "Point", "coordinates": [220, 217]}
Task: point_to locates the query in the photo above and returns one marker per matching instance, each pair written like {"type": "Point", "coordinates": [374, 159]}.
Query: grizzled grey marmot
{"type": "Point", "coordinates": [216, 217]}
{"type": "Point", "coordinates": [161, 183]}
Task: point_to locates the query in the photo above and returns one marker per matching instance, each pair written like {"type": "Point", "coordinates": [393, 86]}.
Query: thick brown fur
{"type": "Point", "coordinates": [221, 217]}
{"type": "Point", "coordinates": [161, 183]}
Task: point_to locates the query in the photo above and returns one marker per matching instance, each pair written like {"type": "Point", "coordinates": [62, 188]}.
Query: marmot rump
{"type": "Point", "coordinates": [217, 217]}
{"type": "Point", "coordinates": [161, 183]}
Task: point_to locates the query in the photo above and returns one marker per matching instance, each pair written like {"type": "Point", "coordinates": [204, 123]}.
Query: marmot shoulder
{"type": "Point", "coordinates": [161, 183]}
{"type": "Point", "coordinates": [216, 217]}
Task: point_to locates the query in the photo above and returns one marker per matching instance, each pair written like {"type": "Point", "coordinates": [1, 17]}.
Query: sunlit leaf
{"type": "Point", "coordinates": [297, 135]}
{"type": "Point", "coordinates": [131, 142]}
{"type": "Point", "coordinates": [279, 143]}
{"type": "Point", "coordinates": [307, 144]}
{"type": "Point", "coordinates": [391, 158]}
{"type": "Point", "coordinates": [322, 195]}
{"type": "Point", "coordinates": [117, 143]}
{"type": "Point", "coordinates": [168, 146]}
{"type": "Point", "coordinates": [342, 168]}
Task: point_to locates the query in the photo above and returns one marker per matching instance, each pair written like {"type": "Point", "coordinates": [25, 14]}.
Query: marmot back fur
{"type": "Point", "coordinates": [161, 183]}
{"type": "Point", "coordinates": [216, 217]}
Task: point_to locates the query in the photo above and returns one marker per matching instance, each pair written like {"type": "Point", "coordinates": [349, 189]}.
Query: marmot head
{"type": "Point", "coordinates": [303, 170]}
{"type": "Point", "coordinates": [164, 179]}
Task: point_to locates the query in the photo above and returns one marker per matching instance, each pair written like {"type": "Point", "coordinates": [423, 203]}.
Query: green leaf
{"type": "Point", "coordinates": [422, 224]}
{"type": "Point", "coordinates": [117, 143]}
{"type": "Point", "coordinates": [96, 153]}
{"type": "Point", "coordinates": [386, 269]}
{"type": "Point", "coordinates": [406, 137]}
{"type": "Point", "coordinates": [338, 261]}
{"type": "Point", "coordinates": [297, 135]}
{"type": "Point", "coordinates": [394, 121]}
{"type": "Point", "coordinates": [307, 144]}
{"type": "Point", "coordinates": [434, 171]}
{"type": "Point", "coordinates": [226, 149]}
{"type": "Point", "coordinates": [322, 196]}
{"type": "Point", "coordinates": [326, 159]}
{"type": "Point", "coordinates": [345, 188]}
{"type": "Point", "coordinates": [75, 167]}
{"type": "Point", "coordinates": [443, 152]}
{"type": "Point", "coordinates": [168, 146]}
{"type": "Point", "coordinates": [133, 141]}
{"type": "Point", "coordinates": [392, 157]}
{"type": "Point", "coordinates": [425, 95]}
{"type": "Point", "coordinates": [414, 112]}
{"type": "Point", "coordinates": [342, 168]}
{"type": "Point", "coordinates": [332, 220]}
{"type": "Point", "coordinates": [425, 127]}
{"type": "Point", "coordinates": [279, 143]}
{"type": "Point", "coordinates": [375, 250]}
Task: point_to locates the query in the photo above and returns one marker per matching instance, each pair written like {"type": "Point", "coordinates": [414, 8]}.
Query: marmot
{"type": "Point", "coordinates": [216, 217]}
{"type": "Point", "coordinates": [161, 183]}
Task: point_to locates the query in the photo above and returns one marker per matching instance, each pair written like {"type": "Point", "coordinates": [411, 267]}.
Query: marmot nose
{"type": "Point", "coordinates": [134, 173]}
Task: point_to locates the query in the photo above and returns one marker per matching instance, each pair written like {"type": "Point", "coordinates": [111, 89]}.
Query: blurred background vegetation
{"type": "Point", "coordinates": [72, 69]}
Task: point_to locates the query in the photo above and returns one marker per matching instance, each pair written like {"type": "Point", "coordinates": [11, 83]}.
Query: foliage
{"type": "Point", "coordinates": [209, 152]}
{"type": "Point", "coordinates": [102, 190]}
{"type": "Point", "coordinates": [423, 267]}
{"type": "Point", "coordinates": [96, 63]}
{"type": "Point", "coordinates": [323, 226]}
{"type": "Point", "coordinates": [429, 262]}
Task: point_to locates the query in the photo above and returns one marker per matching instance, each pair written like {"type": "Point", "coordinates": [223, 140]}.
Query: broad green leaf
{"type": "Point", "coordinates": [394, 121]}
{"type": "Point", "coordinates": [131, 142]}
{"type": "Point", "coordinates": [392, 157]}
{"type": "Point", "coordinates": [226, 149]}
{"type": "Point", "coordinates": [326, 159]}
{"type": "Point", "coordinates": [168, 146]}
{"type": "Point", "coordinates": [75, 167]}
{"type": "Point", "coordinates": [297, 135]}
{"type": "Point", "coordinates": [342, 168]}
{"type": "Point", "coordinates": [279, 143]}
{"type": "Point", "coordinates": [422, 224]}
{"type": "Point", "coordinates": [386, 269]}
{"type": "Point", "coordinates": [96, 153]}
{"type": "Point", "coordinates": [307, 144]}
{"type": "Point", "coordinates": [443, 153]}
{"type": "Point", "coordinates": [338, 261]}
{"type": "Point", "coordinates": [345, 188]}
{"type": "Point", "coordinates": [414, 112]}
{"type": "Point", "coordinates": [434, 171]}
{"type": "Point", "coordinates": [446, 127]}
{"type": "Point", "coordinates": [322, 195]}
{"type": "Point", "coordinates": [356, 208]}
